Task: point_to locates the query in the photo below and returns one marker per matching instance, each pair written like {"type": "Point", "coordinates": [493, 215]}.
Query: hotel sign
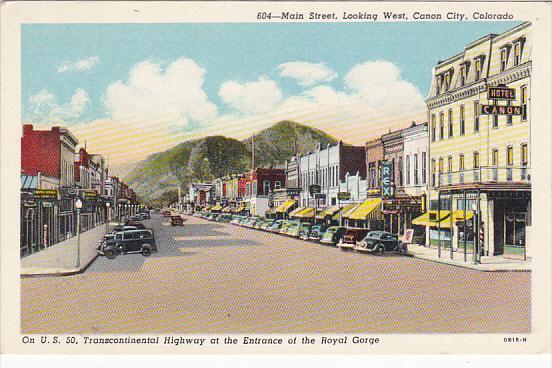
{"type": "Point", "coordinates": [501, 93]}
{"type": "Point", "coordinates": [46, 194]}
{"type": "Point", "coordinates": [501, 110]}
{"type": "Point", "coordinates": [387, 184]}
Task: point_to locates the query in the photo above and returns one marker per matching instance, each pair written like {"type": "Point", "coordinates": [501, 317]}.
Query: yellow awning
{"type": "Point", "coordinates": [207, 208]}
{"type": "Point", "coordinates": [329, 211]}
{"type": "Point", "coordinates": [369, 209]}
{"type": "Point", "coordinates": [239, 209]}
{"type": "Point", "coordinates": [430, 219]}
{"type": "Point", "coordinates": [296, 211]}
{"type": "Point", "coordinates": [347, 210]}
{"type": "Point", "coordinates": [458, 215]}
{"type": "Point", "coordinates": [284, 207]}
{"type": "Point", "coordinates": [306, 213]}
{"type": "Point", "coordinates": [217, 207]}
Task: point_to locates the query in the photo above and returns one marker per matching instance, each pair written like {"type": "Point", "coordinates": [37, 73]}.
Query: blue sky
{"type": "Point", "coordinates": [173, 82]}
{"type": "Point", "coordinates": [233, 51]}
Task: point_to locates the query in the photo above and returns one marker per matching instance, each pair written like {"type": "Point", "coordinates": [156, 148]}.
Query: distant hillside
{"type": "Point", "coordinates": [157, 177]}
{"type": "Point", "coordinates": [278, 143]}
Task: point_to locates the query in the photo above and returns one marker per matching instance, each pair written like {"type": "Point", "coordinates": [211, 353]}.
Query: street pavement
{"type": "Point", "coordinates": [212, 277]}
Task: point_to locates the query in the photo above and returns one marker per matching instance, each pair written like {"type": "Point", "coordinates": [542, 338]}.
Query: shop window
{"type": "Point", "coordinates": [450, 124]}
{"type": "Point", "coordinates": [524, 102]}
{"type": "Point", "coordinates": [476, 116]}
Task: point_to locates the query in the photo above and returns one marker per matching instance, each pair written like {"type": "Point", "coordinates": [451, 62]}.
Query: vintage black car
{"type": "Point", "coordinates": [130, 241]}
{"type": "Point", "coordinates": [136, 224]}
{"type": "Point", "coordinates": [381, 242]}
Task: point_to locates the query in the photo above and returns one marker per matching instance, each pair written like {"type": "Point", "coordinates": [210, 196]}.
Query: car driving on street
{"type": "Point", "coordinates": [129, 241]}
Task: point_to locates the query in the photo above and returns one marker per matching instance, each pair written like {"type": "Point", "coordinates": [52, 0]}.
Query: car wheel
{"type": "Point", "coordinates": [110, 253]}
{"type": "Point", "coordinates": [403, 250]}
{"type": "Point", "coordinates": [381, 249]}
{"type": "Point", "coordinates": [146, 250]}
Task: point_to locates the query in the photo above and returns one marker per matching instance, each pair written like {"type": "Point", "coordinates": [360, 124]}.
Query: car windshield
{"type": "Point", "coordinates": [373, 234]}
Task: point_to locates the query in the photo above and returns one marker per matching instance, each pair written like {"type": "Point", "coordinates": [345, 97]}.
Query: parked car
{"type": "Point", "coordinates": [381, 242]}
{"type": "Point", "coordinates": [283, 228]}
{"type": "Point", "coordinates": [351, 237]}
{"type": "Point", "coordinates": [301, 229]}
{"type": "Point", "coordinates": [145, 215]}
{"type": "Point", "coordinates": [225, 217]}
{"type": "Point", "coordinates": [275, 227]}
{"type": "Point", "coordinates": [130, 241]}
{"type": "Point", "coordinates": [266, 224]}
{"type": "Point", "coordinates": [167, 213]}
{"type": "Point", "coordinates": [316, 232]}
{"type": "Point", "coordinates": [177, 221]}
{"type": "Point", "coordinates": [137, 224]}
{"type": "Point", "coordinates": [333, 235]}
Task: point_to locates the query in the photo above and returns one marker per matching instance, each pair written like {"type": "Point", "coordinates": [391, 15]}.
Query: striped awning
{"type": "Point", "coordinates": [431, 219]}
{"type": "Point", "coordinates": [370, 209]}
{"type": "Point", "coordinates": [284, 207]}
{"type": "Point", "coordinates": [307, 212]}
{"type": "Point", "coordinates": [296, 211]}
{"type": "Point", "coordinates": [328, 211]}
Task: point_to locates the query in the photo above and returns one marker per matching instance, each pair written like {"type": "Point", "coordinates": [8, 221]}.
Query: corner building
{"type": "Point", "coordinates": [480, 164]}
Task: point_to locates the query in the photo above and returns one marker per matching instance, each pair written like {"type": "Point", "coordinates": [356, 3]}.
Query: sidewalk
{"type": "Point", "coordinates": [61, 259]}
{"type": "Point", "coordinates": [488, 264]}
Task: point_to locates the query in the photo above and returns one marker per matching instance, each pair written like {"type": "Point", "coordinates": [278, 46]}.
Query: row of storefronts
{"type": "Point", "coordinates": [459, 182]}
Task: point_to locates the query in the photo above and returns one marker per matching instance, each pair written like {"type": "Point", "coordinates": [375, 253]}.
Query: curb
{"type": "Point", "coordinates": [65, 273]}
{"type": "Point", "coordinates": [464, 266]}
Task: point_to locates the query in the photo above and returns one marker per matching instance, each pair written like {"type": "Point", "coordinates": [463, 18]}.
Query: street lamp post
{"type": "Point", "coordinates": [119, 214]}
{"type": "Point", "coordinates": [78, 206]}
{"type": "Point", "coordinates": [107, 205]}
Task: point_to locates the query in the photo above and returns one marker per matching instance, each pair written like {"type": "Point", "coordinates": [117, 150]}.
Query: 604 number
{"type": "Point", "coordinates": [263, 15]}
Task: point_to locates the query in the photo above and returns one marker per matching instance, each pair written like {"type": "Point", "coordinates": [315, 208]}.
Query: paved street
{"type": "Point", "coordinates": [219, 278]}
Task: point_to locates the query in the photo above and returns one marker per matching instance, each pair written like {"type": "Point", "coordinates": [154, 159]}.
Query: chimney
{"type": "Point", "coordinates": [27, 128]}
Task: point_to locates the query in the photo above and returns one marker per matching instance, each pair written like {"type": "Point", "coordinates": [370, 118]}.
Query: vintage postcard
{"type": "Point", "coordinates": [352, 178]}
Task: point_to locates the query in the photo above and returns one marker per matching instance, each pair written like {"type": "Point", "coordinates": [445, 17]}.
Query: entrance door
{"type": "Point", "coordinates": [514, 229]}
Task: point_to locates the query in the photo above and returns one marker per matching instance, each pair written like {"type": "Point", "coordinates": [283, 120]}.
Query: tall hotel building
{"type": "Point", "coordinates": [480, 162]}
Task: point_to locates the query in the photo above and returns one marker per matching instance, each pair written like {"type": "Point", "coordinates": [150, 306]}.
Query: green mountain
{"type": "Point", "coordinates": [156, 178]}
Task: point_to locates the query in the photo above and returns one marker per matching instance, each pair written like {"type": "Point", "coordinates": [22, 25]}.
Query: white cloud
{"type": "Point", "coordinates": [78, 65]}
{"type": "Point", "coordinates": [44, 106]}
{"type": "Point", "coordinates": [307, 74]}
{"type": "Point", "coordinates": [171, 95]}
{"type": "Point", "coordinates": [251, 97]}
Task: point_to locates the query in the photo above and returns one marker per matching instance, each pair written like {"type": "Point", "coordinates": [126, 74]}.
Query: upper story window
{"type": "Point", "coordinates": [476, 160]}
{"type": "Point", "coordinates": [464, 69]}
{"type": "Point", "coordinates": [277, 184]}
{"type": "Point", "coordinates": [478, 68]}
{"type": "Point", "coordinates": [510, 155]}
{"type": "Point", "coordinates": [449, 165]}
{"type": "Point", "coordinates": [504, 58]}
{"type": "Point", "coordinates": [524, 156]}
{"type": "Point", "coordinates": [517, 52]}
{"type": "Point", "coordinates": [495, 157]}
{"type": "Point", "coordinates": [448, 77]}
{"type": "Point", "coordinates": [461, 163]}
{"type": "Point", "coordinates": [441, 125]}
{"type": "Point", "coordinates": [476, 116]}
{"type": "Point", "coordinates": [407, 169]}
{"type": "Point", "coordinates": [433, 122]}
{"type": "Point", "coordinates": [450, 124]}
{"type": "Point", "coordinates": [462, 120]}
{"type": "Point", "coordinates": [416, 182]}
{"type": "Point", "coordinates": [524, 102]}
{"type": "Point", "coordinates": [266, 187]}
{"type": "Point", "coordinates": [424, 163]}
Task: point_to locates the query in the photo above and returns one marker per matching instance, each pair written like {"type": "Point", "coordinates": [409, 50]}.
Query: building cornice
{"type": "Point", "coordinates": [506, 77]}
